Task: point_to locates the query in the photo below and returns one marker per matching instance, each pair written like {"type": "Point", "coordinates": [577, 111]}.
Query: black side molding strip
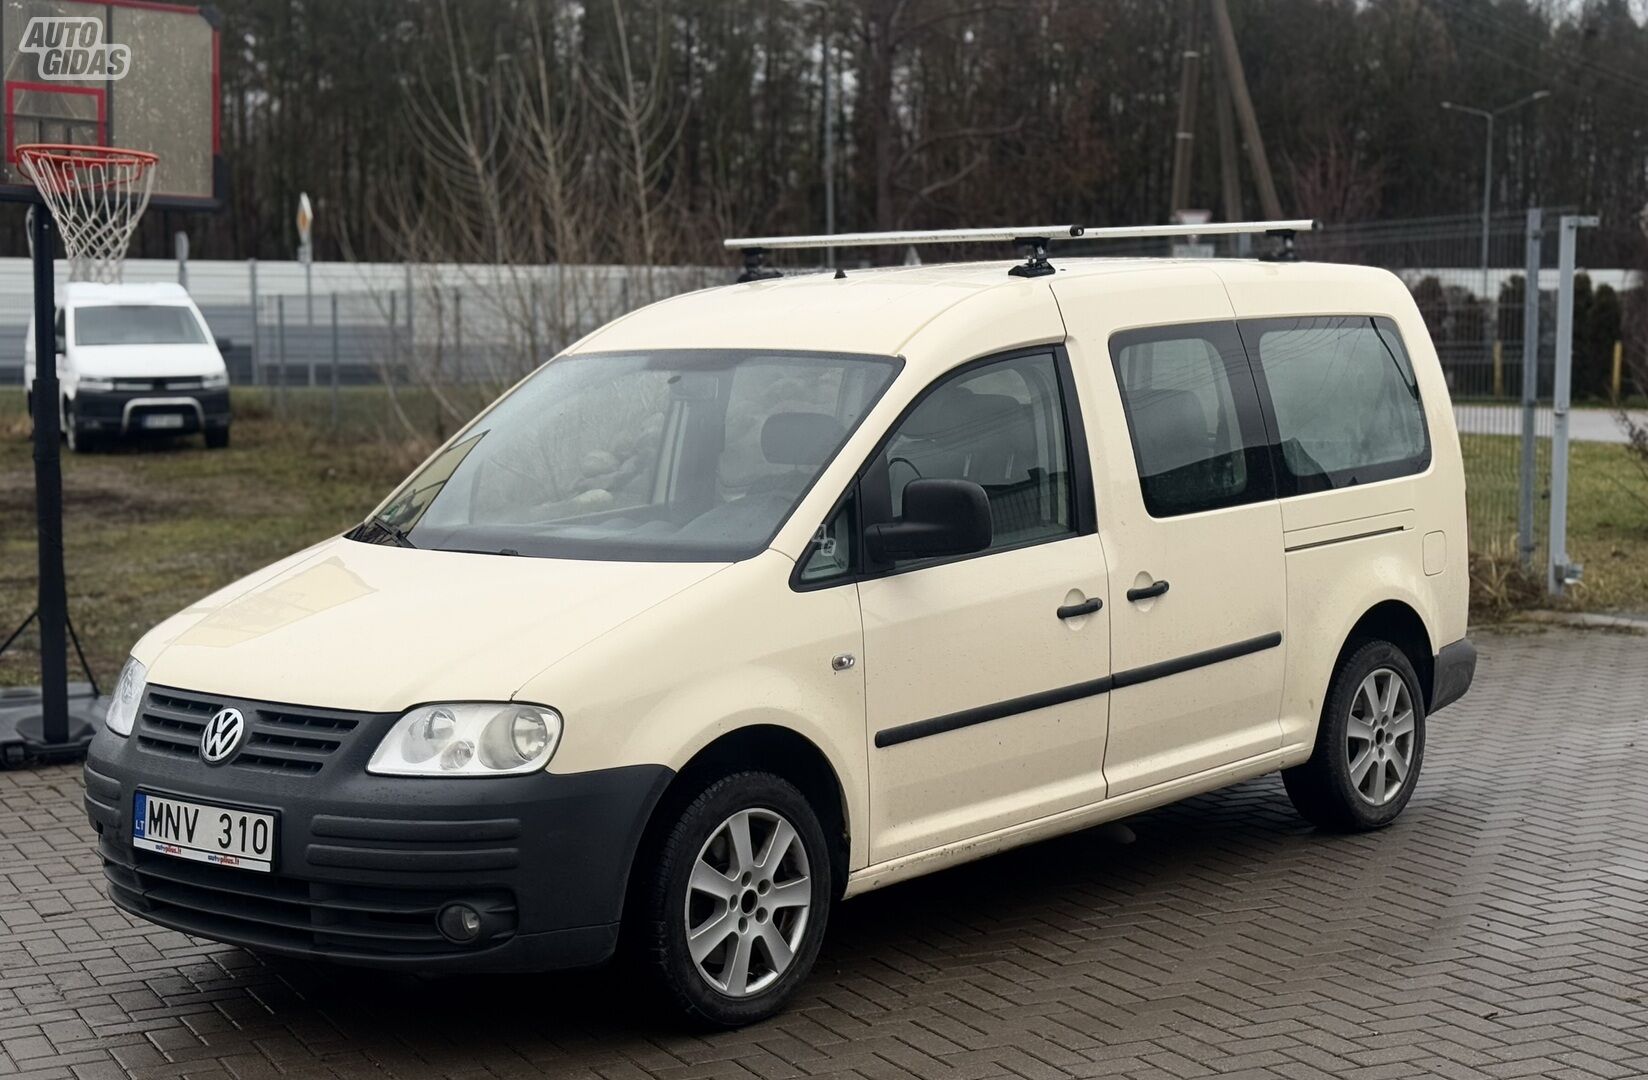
{"type": "Point", "coordinates": [1347, 539]}
{"type": "Point", "coordinates": [938, 725]}
{"type": "Point", "coordinates": [1179, 664]}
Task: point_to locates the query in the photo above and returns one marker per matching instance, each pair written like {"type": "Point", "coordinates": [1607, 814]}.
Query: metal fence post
{"type": "Point", "coordinates": [1530, 386]}
{"type": "Point", "coordinates": [280, 355]}
{"type": "Point", "coordinates": [251, 275]}
{"type": "Point", "coordinates": [1559, 573]}
{"type": "Point", "coordinates": [334, 362]}
{"type": "Point", "coordinates": [457, 333]}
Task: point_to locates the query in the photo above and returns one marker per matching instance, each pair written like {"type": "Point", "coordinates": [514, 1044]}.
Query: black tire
{"type": "Point", "coordinates": [661, 910]}
{"type": "Point", "coordinates": [1326, 790]}
{"type": "Point", "coordinates": [217, 438]}
{"type": "Point", "coordinates": [79, 441]}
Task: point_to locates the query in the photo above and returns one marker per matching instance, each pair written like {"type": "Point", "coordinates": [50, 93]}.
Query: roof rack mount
{"type": "Point", "coordinates": [1034, 238]}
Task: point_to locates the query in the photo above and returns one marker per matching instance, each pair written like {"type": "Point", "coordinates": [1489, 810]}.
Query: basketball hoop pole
{"type": "Point", "coordinates": [54, 733]}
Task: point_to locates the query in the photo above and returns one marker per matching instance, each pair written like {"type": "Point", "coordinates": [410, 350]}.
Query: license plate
{"type": "Point", "coordinates": [204, 833]}
{"type": "Point", "coordinates": [163, 421]}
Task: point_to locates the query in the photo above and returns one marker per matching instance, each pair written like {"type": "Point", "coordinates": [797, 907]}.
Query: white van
{"type": "Point", "coordinates": [134, 360]}
{"type": "Point", "coordinates": [769, 595]}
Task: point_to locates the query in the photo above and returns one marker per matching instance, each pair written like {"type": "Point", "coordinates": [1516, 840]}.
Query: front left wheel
{"type": "Point", "coordinates": [735, 900]}
{"type": "Point", "coordinates": [79, 441]}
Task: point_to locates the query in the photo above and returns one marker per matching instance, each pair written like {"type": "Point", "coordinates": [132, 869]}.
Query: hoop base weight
{"type": "Point", "coordinates": [22, 738]}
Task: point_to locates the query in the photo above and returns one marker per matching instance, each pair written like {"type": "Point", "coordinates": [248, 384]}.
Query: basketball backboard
{"type": "Point", "coordinates": [137, 74]}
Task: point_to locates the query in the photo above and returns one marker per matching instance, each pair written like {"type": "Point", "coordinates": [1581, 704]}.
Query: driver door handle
{"type": "Point", "coordinates": [1075, 611]}
{"type": "Point", "coordinates": [1155, 588]}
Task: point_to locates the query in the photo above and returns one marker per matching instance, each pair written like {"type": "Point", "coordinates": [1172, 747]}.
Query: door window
{"type": "Point", "coordinates": [1344, 400]}
{"type": "Point", "coordinates": [1002, 426]}
{"type": "Point", "coordinates": [1192, 409]}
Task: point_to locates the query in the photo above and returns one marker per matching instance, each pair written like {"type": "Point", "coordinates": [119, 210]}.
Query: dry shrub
{"type": "Point", "coordinates": [1501, 587]}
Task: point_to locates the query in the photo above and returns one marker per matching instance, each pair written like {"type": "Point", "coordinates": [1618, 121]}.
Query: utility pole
{"type": "Point", "coordinates": [1245, 115]}
{"type": "Point", "coordinates": [1230, 180]}
{"type": "Point", "coordinates": [1184, 137]}
{"type": "Point", "coordinates": [1232, 106]}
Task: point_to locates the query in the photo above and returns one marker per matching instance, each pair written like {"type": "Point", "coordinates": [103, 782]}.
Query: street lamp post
{"type": "Point", "coordinates": [1490, 115]}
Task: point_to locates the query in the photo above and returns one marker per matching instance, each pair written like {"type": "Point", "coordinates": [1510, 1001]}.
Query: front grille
{"type": "Point", "coordinates": [256, 909]}
{"type": "Point", "coordinates": [285, 739]}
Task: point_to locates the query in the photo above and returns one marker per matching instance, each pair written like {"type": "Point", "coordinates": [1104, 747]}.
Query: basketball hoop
{"type": "Point", "coordinates": [97, 194]}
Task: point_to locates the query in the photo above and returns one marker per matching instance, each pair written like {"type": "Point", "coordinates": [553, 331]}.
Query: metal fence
{"type": "Point", "coordinates": [393, 347]}
{"type": "Point", "coordinates": [1495, 338]}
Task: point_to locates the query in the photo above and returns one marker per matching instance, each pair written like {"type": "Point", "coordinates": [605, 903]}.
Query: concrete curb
{"type": "Point", "coordinates": [1636, 624]}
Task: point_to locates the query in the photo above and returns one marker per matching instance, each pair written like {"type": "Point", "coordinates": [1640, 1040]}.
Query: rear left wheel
{"type": "Point", "coordinates": [1370, 743]}
{"type": "Point", "coordinates": [736, 900]}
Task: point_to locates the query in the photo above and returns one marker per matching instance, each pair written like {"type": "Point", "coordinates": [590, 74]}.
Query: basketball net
{"type": "Point", "coordinates": [97, 195]}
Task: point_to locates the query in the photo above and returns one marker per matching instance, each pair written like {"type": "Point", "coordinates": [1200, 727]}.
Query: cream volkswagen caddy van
{"type": "Point", "coordinates": [766, 596]}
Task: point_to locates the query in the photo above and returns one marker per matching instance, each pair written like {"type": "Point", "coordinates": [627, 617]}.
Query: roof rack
{"type": "Point", "coordinates": [1033, 238]}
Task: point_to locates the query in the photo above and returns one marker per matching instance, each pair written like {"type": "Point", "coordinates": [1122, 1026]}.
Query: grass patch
{"type": "Point", "coordinates": [152, 528]}
{"type": "Point", "coordinates": [149, 529]}
{"type": "Point", "coordinates": [1607, 525]}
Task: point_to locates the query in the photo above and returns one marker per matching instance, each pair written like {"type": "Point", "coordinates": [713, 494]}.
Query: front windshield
{"type": "Point", "coordinates": [136, 324]}
{"type": "Point", "coordinates": [669, 456]}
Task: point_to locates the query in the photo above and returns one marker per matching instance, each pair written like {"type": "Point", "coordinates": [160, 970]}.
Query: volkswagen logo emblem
{"type": "Point", "coordinates": [222, 736]}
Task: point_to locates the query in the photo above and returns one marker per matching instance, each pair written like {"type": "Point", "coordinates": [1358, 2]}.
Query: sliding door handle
{"type": "Point", "coordinates": [1076, 611]}
{"type": "Point", "coordinates": [1154, 589]}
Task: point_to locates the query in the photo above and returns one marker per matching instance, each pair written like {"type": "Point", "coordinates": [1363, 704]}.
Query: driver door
{"type": "Point", "coordinates": [985, 673]}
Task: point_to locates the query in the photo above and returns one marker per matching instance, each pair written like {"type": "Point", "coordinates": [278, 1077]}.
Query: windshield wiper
{"type": "Point", "coordinates": [377, 530]}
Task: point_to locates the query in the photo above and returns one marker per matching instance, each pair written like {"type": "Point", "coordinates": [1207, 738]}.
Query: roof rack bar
{"type": "Point", "coordinates": [1022, 233]}
{"type": "Point", "coordinates": [900, 239]}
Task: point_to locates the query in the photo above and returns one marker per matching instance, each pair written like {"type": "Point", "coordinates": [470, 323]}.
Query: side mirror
{"type": "Point", "coordinates": [62, 345]}
{"type": "Point", "coordinates": [941, 517]}
{"type": "Point", "coordinates": [223, 344]}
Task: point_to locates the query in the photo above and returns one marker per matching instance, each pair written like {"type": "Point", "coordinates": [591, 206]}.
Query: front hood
{"type": "Point", "coordinates": [348, 625]}
{"type": "Point", "coordinates": [146, 361]}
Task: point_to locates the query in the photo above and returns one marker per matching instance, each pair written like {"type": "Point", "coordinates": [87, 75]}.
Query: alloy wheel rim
{"type": "Point", "coordinates": [747, 903]}
{"type": "Point", "coordinates": [1379, 737]}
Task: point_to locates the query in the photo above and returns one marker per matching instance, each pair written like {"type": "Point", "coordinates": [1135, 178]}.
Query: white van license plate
{"type": "Point", "coordinates": [210, 834]}
{"type": "Point", "coordinates": [163, 421]}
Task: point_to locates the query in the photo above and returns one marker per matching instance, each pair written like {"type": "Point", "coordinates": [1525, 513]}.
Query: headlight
{"type": "Point", "coordinates": [215, 382]}
{"type": "Point", "coordinates": [468, 740]}
{"type": "Point", "coordinates": [128, 692]}
{"type": "Point", "coordinates": [97, 386]}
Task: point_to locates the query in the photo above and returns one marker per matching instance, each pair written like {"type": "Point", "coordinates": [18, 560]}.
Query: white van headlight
{"type": "Point", "coordinates": [469, 739]}
{"type": "Point", "coordinates": [214, 382]}
{"type": "Point", "coordinates": [128, 693]}
{"type": "Point", "coordinates": [96, 386]}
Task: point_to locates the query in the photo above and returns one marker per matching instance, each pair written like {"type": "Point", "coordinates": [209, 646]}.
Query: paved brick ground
{"type": "Point", "coordinates": [1500, 929]}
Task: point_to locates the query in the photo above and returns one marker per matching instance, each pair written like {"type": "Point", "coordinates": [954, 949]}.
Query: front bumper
{"type": "Point", "coordinates": [122, 412]}
{"type": "Point", "coordinates": [362, 863]}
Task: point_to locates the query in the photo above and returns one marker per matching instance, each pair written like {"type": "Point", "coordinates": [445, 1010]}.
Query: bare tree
{"type": "Point", "coordinates": [535, 201]}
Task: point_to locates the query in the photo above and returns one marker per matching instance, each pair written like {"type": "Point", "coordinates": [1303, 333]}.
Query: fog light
{"type": "Point", "coordinates": [459, 923]}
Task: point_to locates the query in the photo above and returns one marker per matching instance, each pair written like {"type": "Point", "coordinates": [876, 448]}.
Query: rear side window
{"type": "Point", "coordinates": [1345, 406]}
{"type": "Point", "coordinates": [1193, 412]}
